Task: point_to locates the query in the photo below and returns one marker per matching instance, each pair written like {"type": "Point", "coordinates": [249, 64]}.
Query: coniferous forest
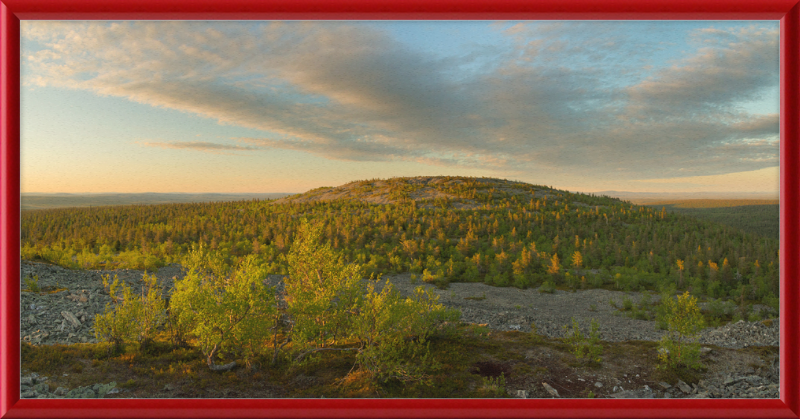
{"type": "Point", "coordinates": [448, 229]}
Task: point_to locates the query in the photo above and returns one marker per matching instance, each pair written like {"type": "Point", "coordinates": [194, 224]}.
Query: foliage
{"type": "Point", "coordinates": [495, 387]}
{"type": "Point", "coordinates": [116, 324]}
{"type": "Point", "coordinates": [131, 317]}
{"type": "Point", "coordinates": [324, 292]}
{"type": "Point", "coordinates": [228, 310]}
{"type": "Point", "coordinates": [393, 334]}
{"type": "Point", "coordinates": [627, 303]}
{"type": "Point", "coordinates": [33, 283]}
{"type": "Point", "coordinates": [508, 233]}
{"type": "Point", "coordinates": [547, 287]}
{"type": "Point", "coordinates": [151, 312]}
{"type": "Point", "coordinates": [667, 291]}
{"type": "Point", "coordinates": [586, 348]}
{"type": "Point", "coordinates": [754, 216]}
{"type": "Point", "coordinates": [332, 312]}
{"type": "Point", "coordinates": [679, 347]}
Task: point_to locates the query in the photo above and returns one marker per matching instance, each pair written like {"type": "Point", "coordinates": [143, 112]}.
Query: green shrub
{"type": "Point", "coordinates": [495, 387]}
{"type": "Point", "coordinates": [393, 333]}
{"type": "Point", "coordinates": [646, 302]}
{"type": "Point", "coordinates": [661, 311]}
{"type": "Point", "coordinates": [116, 324]}
{"type": "Point", "coordinates": [332, 312]}
{"type": "Point", "coordinates": [437, 279]}
{"type": "Point", "coordinates": [586, 348]}
{"type": "Point", "coordinates": [679, 347]}
{"type": "Point", "coordinates": [547, 287]}
{"type": "Point", "coordinates": [324, 292]}
{"type": "Point", "coordinates": [229, 310]}
{"type": "Point", "coordinates": [151, 314]}
{"type": "Point", "coordinates": [130, 317]}
{"type": "Point", "coordinates": [627, 303]}
{"type": "Point", "coordinates": [32, 282]}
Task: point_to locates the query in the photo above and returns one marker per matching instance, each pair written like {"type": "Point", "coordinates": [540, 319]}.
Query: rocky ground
{"type": "Point", "coordinates": [67, 317]}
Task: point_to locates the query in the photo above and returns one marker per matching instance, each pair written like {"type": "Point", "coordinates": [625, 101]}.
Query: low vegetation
{"type": "Point", "coordinates": [442, 229]}
{"type": "Point", "coordinates": [329, 331]}
{"type": "Point", "coordinates": [679, 347]}
{"type": "Point", "coordinates": [229, 313]}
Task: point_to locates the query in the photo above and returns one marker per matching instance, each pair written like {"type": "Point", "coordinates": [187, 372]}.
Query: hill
{"type": "Point", "coordinates": [427, 191]}
{"type": "Point", "coordinates": [445, 229]}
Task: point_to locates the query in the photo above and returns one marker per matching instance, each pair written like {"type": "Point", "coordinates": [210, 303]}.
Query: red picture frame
{"type": "Point", "coordinates": [12, 11]}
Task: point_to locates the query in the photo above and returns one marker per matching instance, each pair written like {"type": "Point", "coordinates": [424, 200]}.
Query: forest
{"type": "Point", "coordinates": [447, 229]}
{"type": "Point", "coordinates": [761, 219]}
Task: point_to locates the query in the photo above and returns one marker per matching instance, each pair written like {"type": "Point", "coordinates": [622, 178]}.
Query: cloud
{"type": "Point", "coordinates": [198, 146]}
{"type": "Point", "coordinates": [556, 97]}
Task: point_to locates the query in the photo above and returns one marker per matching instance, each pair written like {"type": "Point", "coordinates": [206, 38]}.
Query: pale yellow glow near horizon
{"type": "Point", "coordinates": [765, 180]}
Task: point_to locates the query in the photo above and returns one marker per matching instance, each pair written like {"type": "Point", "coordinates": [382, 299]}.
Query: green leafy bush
{"type": "Point", "coordinates": [130, 317]}
{"type": "Point", "coordinates": [547, 287]}
{"type": "Point", "coordinates": [333, 310]}
{"type": "Point", "coordinates": [32, 282]}
{"type": "Point", "coordinates": [495, 387]}
{"type": "Point", "coordinates": [586, 348]}
{"type": "Point", "coordinates": [679, 347]}
{"type": "Point", "coordinates": [228, 310]}
{"type": "Point", "coordinates": [116, 324]}
{"type": "Point", "coordinates": [627, 303]}
{"type": "Point", "coordinates": [151, 313]}
{"type": "Point", "coordinates": [324, 293]}
{"type": "Point", "coordinates": [393, 333]}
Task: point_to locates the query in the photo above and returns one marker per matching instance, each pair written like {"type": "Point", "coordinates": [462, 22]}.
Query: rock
{"type": "Point", "coordinates": [30, 394]}
{"type": "Point", "coordinates": [729, 381]}
{"type": "Point", "coordinates": [103, 389]}
{"type": "Point", "coordinates": [664, 385]}
{"type": "Point", "coordinates": [684, 387]}
{"type": "Point", "coordinates": [521, 394]}
{"type": "Point", "coordinates": [61, 391]}
{"type": "Point", "coordinates": [598, 384]}
{"type": "Point", "coordinates": [26, 381]}
{"type": "Point", "coordinates": [553, 392]}
{"type": "Point", "coordinates": [631, 394]}
{"type": "Point", "coordinates": [71, 318]}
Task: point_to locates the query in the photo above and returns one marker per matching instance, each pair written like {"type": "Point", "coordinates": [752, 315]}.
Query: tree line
{"type": "Point", "coordinates": [499, 233]}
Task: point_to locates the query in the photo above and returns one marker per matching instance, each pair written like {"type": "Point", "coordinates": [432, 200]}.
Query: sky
{"type": "Point", "coordinates": [238, 107]}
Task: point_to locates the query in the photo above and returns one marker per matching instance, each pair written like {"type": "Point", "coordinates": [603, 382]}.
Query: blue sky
{"type": "Point", "coordinates": [588, 106]}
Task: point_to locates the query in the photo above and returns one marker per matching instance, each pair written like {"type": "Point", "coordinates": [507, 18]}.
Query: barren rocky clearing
{"type": "Point", "coordinates": [67, 317]}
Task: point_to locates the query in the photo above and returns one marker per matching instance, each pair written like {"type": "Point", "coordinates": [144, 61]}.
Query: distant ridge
{"type": "Point", "coordinates": [33, 201]}
{"type": "Point", "coordinates": [647, 197]}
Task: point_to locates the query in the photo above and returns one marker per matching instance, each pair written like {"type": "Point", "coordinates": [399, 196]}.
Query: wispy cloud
{"type": "Point", "coordinates": [581, 98]}
{"type": "Point", "coordinates": [198, 146]}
